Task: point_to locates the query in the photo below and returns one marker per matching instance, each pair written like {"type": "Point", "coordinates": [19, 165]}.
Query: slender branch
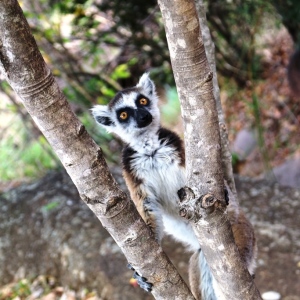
{"type": "Point", "coordinates": [210, 54]}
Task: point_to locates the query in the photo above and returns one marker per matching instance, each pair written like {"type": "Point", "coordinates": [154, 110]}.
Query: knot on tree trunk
{"type": "Point", "coordinates": [207, 200]}
{"type": "Point", "coordinates": [194, 208]}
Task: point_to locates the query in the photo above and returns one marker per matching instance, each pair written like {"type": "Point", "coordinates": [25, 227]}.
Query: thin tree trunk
{"type": "Point", "coordinates": [203, 150]}
{"type": "Point", "coordinates": [210, 54]}
{"type": "Point", "coordinates": [25, 70]}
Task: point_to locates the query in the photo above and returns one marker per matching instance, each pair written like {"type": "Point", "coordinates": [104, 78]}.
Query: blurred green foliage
{"type": "Point", "coordinates": [95, 48]}
{"type": "Point", "coordinates": [20, 290]}
{"type": "Point", "coordinates": [170, 110]}
{"type": "Point", "coordinates": [236, 28]}
{"type": "Point", "coordinates": [50, 206]}
{"type": "Point", "coordinates": [289, 10]}
{"type": "Point", "coordinates": [22, 156]}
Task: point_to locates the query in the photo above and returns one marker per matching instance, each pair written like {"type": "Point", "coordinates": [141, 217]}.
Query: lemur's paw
{"type": "Point", "coordinates": [142, 281]}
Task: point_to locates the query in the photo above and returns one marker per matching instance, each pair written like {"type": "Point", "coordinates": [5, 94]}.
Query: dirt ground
{"type": "Point", "coordinates": [274, 212]}
{"type": "Point", "coordinates": [66, 238]}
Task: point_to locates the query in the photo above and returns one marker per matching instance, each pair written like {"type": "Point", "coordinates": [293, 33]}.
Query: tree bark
{"type": "Point", "coordinates": [205, 188]}
{"type": "Point", "coordinates": [27, 73]}
{"type": "Point", "coordinates": [210, 54]}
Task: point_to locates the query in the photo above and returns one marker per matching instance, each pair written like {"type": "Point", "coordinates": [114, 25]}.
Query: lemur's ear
{"type": "Point", "coordinates": [103, 116]}
{"type": "Point", "coordinates": [147, 84]}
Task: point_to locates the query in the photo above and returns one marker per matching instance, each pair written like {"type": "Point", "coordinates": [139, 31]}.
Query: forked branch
{"type": "Point", "coordinates": [27, 73]}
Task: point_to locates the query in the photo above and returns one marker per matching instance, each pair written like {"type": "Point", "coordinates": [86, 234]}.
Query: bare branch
{"type": "Point", "coordinates": [210, 54]}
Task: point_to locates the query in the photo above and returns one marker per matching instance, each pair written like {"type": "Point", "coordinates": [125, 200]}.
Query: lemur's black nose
{"type": "Point", "coordinates": [143, 114]}
{"type": "Point", "coordinates": [143, 117]}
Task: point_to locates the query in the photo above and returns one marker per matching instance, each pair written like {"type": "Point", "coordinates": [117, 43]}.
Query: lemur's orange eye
{"type": "Point", "coordinates": [123, 115]}
{"type": "Point", "coordinates": [143, 101]}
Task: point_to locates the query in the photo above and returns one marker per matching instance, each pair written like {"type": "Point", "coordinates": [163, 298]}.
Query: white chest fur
{"type": "Point", "coordinates": [162, 177]}
{"type": "Point", "coordinates": [161, 174]}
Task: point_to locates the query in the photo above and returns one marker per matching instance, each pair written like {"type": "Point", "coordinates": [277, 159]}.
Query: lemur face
{"type": "Point", "coordinates": [137, 115]}
{"type": "Point", "coordinates": [132, 112]}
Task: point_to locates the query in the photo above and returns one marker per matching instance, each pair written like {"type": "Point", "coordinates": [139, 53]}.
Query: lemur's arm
{"type": "Point", "coordinates": [146, 204]}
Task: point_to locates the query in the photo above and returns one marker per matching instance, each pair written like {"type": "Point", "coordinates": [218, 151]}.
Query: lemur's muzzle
{"type": "Point", "coordinates": [143, 117]}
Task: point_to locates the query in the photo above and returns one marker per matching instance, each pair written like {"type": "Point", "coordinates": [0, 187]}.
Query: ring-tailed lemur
{"type": "Point", "coordinates": [154, 170]}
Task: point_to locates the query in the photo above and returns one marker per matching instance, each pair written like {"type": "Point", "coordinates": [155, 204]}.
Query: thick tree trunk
{"type": "Point", "coordinates": [206, 208]}
{"type": "Point", "coordinates": [25, 70]}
